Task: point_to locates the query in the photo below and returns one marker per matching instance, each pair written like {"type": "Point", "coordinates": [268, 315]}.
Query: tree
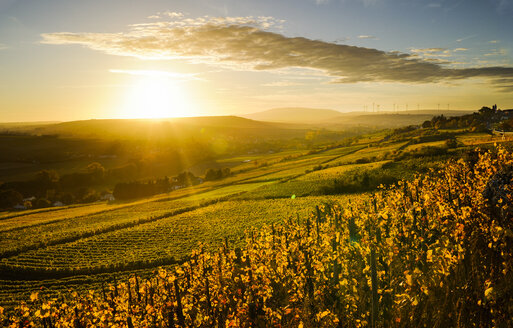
{"type": "Point", "coordinates": [487, 110]}
{"type": "Point", "coordinates": [226, 172]}
{"type": "Point", "coordinates": [10, 198]}
{"type": "Point", "coordinates": [216, 174]}
{"type": "Point", "coordinates": [96, 171]}
{"type": "Point", "coordinates": [87, 195]}
{"type": "Point", "coordinates": [211, 174]}
{"type": "Point", "coordinates": [187, 179]}
{"type": "Point", "coordinates": [42, 203]}
{"type": "Point", "coordinates": [426, 124]}
{"type": "Point", "coordinates": [47, 177]}
{"type": "Point", "coordinates": [67, 198]}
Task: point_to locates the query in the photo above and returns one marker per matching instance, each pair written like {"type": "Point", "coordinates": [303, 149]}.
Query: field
{"type": "Point", "coordinates": [386, 259]}
{"type": "Point", "coordinates": [82, 247]}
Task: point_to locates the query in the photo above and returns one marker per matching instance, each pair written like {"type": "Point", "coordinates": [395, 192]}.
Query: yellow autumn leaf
{"type": "Point", "coordinates": [323, 314]}
{"type": "Point", "coordinates": [34, 296]}
{"type": "Point", "coordinates": [488, 293]}
{"type": "Point", "coordinates": [408, 279]}
{"type": "Point", "coordinates": [430, 255]}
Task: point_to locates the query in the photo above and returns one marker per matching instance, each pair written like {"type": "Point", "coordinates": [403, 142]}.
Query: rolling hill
{"type": "Point", "coordinates": [332, 119]}
{"type": "Point", "coordinates": [294, 115]}
{"type": "Point", "coordinates": [152, 129]}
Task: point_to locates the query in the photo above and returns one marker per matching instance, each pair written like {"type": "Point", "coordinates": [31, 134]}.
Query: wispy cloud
{"type": "Point", "coordinates": [170, 14]}
{"type": "Point", "coordinates": [428, 50]}
{"type": "Point", "coordinates": [3, 46]}
{"type": "Point", "coordinates": [153, 73]}
{"type": "Point", "coordinates": [282, 84]}
{"type": "Point", "coordinates": [434, 5]}
{"type": "Point", "coordinates": [466, 38]}
{"type": "Point", "coordinates": [246, 43]}
{"type": "Point", "coordinates": [372, 37]}
{"type": "Point", "coordinates": [493, 41]}
{"type": "Point", "coordinates": [497, 52]}
{"type": "Point", "coordinates": [433, 53]}
{"type": "Point", "coordinates": [342, 40]}
{"type": "Point", "coordinates": [505, 85]}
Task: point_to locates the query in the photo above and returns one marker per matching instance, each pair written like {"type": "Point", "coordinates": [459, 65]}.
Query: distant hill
{"type": "Point", "coordinates": [329, 118]}
{"type": "Point", "coordinates": [7, 126]}
{"type": "Point", "coordinates": [377, 120]}
{"type": "Point", "coordinates": [172, 128]}
{"type": "Point", "coordinates": [294, 115]}
{"type": "Point", "coordinates": [388, 119]}
{"type": "Point", "coordinates": [432, 112]}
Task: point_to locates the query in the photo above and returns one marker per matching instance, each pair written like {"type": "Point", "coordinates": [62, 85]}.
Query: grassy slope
{"type": "Point", "coordinates": [284, 176]}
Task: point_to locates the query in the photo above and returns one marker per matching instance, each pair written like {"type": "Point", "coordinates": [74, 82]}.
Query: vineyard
{"type": "Point", "coordinates": [173, 237]}
{"type": "Point", "coordinates": [433, 252]}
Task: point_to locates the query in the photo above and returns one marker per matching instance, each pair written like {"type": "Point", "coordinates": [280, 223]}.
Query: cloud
{"type": "Point", "coordinates": [246, 43]}
{"type": "Point", "coordinates": [282, 84]}
{"type": "Point", "coordinates": [3, 46]}
{"type": "Point", "coordinates": [170, 14]}
{"type": "Point", "coordinates": [367, 37]}
{"type": "Point", "coordinates": [434, 5]}
{"type": "Point", "coordinates": [466, 38]}
{"type": "Point", "coordinates": [497, 52]}
{"type": "Point", "coordinates": [460, 49]}
{"type": "Point", "coordinates": [433, 53]}
{"type": "Point", "coordinates": [493, 41]}
{"type": "Point", "coordinates": [152, 73]}
{"type": "Point", "coordinates": [428, 50]}
{"type": "Point", "coordinates": [505, 85]}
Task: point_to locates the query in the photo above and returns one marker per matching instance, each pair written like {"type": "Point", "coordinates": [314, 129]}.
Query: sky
{"type": "Point", "coordinates": [64, 60]}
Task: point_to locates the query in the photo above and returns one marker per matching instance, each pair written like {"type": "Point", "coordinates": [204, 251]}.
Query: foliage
{"type": "Point", "coordinates": [217, 174]}
{"type": "Point", "coordinates": [186, 179]}
{"type": "Point", "coordinates": [433, 252]}
{"type": "Point", "coordinates": [131, 190]}
{"type": "Point", "coordinates": [359, 180]}
{"type": "Point", "coordinates": [10, 198]}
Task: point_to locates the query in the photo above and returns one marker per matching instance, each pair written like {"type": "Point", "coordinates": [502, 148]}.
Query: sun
{"type": "Point", "coordinates": [157, 97]}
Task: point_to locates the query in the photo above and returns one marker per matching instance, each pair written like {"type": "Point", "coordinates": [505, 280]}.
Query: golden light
{"type": "Point", "coordinates": [157, 97]}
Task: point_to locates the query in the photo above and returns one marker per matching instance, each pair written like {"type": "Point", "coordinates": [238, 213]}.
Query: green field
{"type": "Point", "coordinates": [80, 246]}
{"type": "Point", "coordinates": [171, 237]}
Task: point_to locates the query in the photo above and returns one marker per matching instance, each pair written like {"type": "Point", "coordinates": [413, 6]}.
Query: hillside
{"type": "Point", "coordinates": [163, 128]}
{"type": "Point", "coordinates": [331, 119]}
{"type": "Point", "coordinates": [389, 120]}
{"type": "Point", "coordinates": [164, 146]}
{"type": "Point", "coordinates": [311, 214]}
{"type": "Point", "coordinates": [382, 259]}
{"type": "Point", "coordinates": [294, 115]}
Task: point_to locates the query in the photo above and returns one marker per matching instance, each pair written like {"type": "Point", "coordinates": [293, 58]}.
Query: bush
{"type": "Point", "coordinates": [217, 174]}
{"type": "Point", "coordinates": [42, 203]}
{"type": "Point", "coordinates": [10, 198]}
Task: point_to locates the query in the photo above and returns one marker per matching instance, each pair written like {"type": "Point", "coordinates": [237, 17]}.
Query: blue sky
{"type": "Point", "coordinates": [66, 60]}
